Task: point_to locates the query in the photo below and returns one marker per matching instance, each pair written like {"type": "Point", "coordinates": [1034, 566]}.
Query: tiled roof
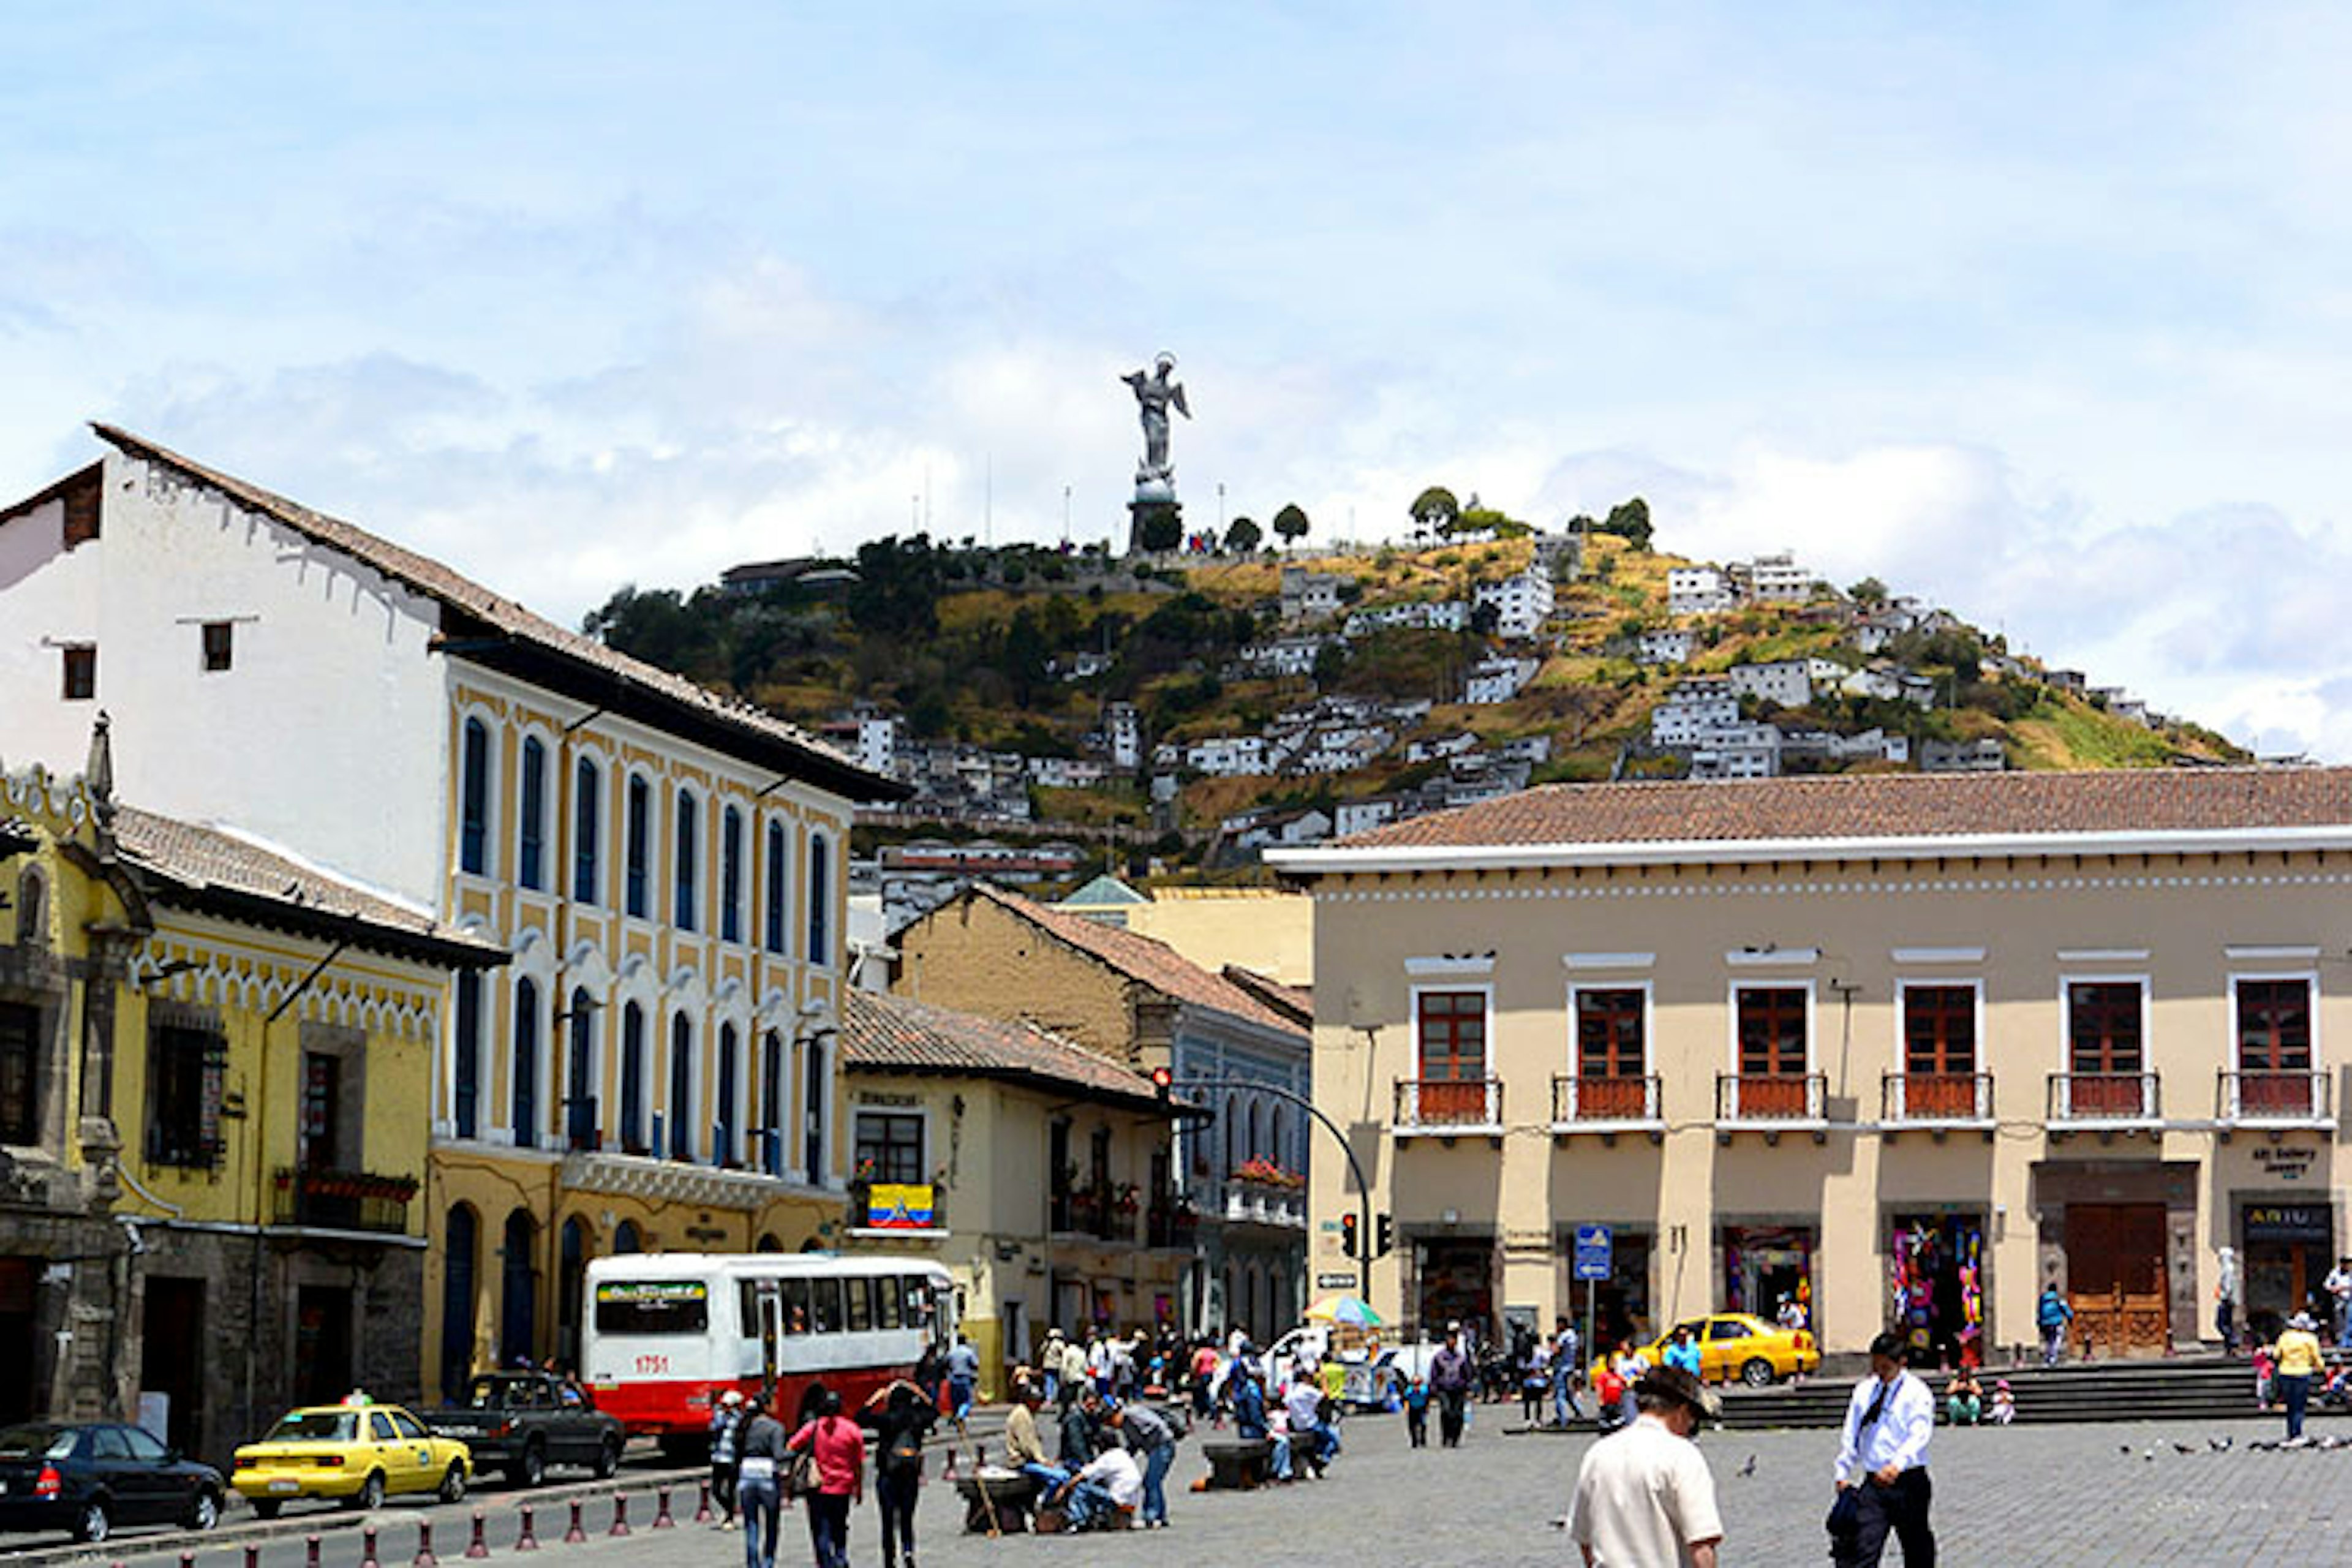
{"type": "Point", "coordinates": [892, 1034]}
{"type": "Point", "coordinates": [451, 588]}
{"type": "Point", "coordinates": [1142, 959]}
{"type": "Point", "coordinates": [1885, 807]}
{"type": "Point", "coordinates": [208, 867]}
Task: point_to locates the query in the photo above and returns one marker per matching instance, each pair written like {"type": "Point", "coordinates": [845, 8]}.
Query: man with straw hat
{"type": "Point", "coordinates": [1645, 1495]}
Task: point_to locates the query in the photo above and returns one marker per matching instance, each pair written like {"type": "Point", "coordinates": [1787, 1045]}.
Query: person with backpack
{"type": "Point", "coordinates": [726, 1421]}
{"type": "Point", "coordinates": [760, 1451]}
{"type": "Point", "coordinates": [1152, 1440]}
{"type": "Point", "coordinates": [837, 1448]}
{"type": "Point", "coordinates": [2052, 1316]}
{"type": "Point", "coordinates": [900, 1418]}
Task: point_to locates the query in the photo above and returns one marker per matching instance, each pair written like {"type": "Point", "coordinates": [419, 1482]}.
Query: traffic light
{"type": "Point", "coordinates": [1163, 1084]}
{"type": "Point", "coordinates": [1349, 1240]}
{"type": "Point", "coordinates": [1383, 1234]}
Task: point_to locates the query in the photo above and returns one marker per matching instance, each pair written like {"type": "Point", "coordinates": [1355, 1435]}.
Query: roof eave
{"type": "Point", "coordinates": [1043, 1083]}
{"type": "Point", "coordinates": [1339, 860]}
{"type": "Point", "coordinates": [323, 924]}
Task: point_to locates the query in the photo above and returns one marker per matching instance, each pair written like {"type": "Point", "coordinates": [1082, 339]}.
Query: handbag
{"type": "Point", "coordinates": [800, 1475]}
{"type": "Point", "coordinates": [1845, 1514]}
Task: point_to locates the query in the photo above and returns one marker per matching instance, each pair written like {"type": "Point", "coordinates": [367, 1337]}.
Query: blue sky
{"type": "Point", "coordinates": [2041, 311]}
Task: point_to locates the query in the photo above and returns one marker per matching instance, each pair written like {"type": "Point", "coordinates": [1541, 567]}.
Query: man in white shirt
{"type": "Point", "coordinates": [1644, 1497]}
{"type": "Point", "coordinates": [2339, 1286]}
{"type": "Point", "coordinates": [1111, 1480]}
{"type": "Point", "coordinates": [1883, 1461]}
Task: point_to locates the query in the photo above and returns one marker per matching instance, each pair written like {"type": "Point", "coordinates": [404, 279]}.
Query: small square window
{"type": "Point", "coordinates": [80, 673]}
{"type": "Point", "coordinates": [220, 644]}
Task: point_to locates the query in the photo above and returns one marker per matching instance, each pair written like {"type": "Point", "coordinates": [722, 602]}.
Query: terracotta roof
{"type": "Point", "coordinates": [893, 1033]}
{"type": "Point", "coordinates": [1143, 959]}
{"type": "Point", "coordinates": [453, 589]}
{"type": "Point", "coordinates": [207, 868]}
{"type": "Point", "coordinates": [1890, 807]}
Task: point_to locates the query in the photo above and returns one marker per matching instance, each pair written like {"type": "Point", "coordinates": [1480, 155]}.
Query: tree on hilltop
{"type": "Point", "coordinates": [1433, 512]}
{"type": "Point", "coordinates": [1244, 536]}
{"type": "Point", "coordinates": [1630, 520]}
{"type": "Point", "coordinates": [1290, 524]}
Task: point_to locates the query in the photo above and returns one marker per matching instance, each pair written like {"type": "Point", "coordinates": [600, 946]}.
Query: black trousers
{"type": "Point", "coordinates": [1900, 1509]}
{"type": "Point", "coordinates": [1449, 1416]}
{"type": "Point", "coordinates": [896, 1493]}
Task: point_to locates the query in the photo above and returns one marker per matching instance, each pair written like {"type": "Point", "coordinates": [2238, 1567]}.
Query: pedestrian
{"type": "Point", "coordinates": [2051, 1315]}
{"type": "Point", "coordinates": [760, 1451]}
{"type": "Point", "coordinates": [725, 1419]}
{"type": "Point", "coordinates": [1073, 1372]}
{"type": "Point", "coordinates": [837, 1444]}
{"type": "Point", "coordinates": [1204, 1378]}
{"type": "Point", "coordinates": [900, 1418]}
{"type": "Point", "coordinates": [1416, 1412]}
{"type": "Point", "coordinates": [1963, 1399]}
{"type": "Point", "coordinates": [2225, 1300]}
{"type": "Point", "coordinates": [1881, 1464]}
{"type": "Point", "coordinates": [1566, 1348]}
{"type": "Point", "coordinates": [1153, 1442]}
{"type": "Point", "coordinates": [1683, 1350]}
{"type": "Point", "coordinates": [1049, 1362]}
{"type": "Point", "coordinates": [2299, 1357]}
{"type": "Point", "coordinates": [1535, 1380]}
{"type": "Point", "coordinates": [928, 1371]}
{"type": "Point", "coordinates": [1449, 1380]}
{"type": "Point", "coordinates": [964, 1378]}
{"type": "Point", "coordinates": [2265, 1365]}
{"type": "Point", "coordinates": [2339, 1291]}
{"type": "Point", "coordinates": [1645, 1499]}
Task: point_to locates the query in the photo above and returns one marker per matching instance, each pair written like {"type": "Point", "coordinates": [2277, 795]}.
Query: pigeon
{"type": "Point", "coordinates": [2221, 1445]}
{"type": "Point", "coordinates": [1749, 1467]}
{"type": "Point", "coordinates": [2150, 1455]}
{"type": "Point", "coordinates": [2180, 1447]}
{"type": "Point", "coordinates": [2124, 1450]}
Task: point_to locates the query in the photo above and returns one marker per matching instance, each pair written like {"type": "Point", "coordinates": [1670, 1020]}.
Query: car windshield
{"type": "Point", "coordinates": [489, 1394]}
{"type": "Point", "coordinates": [41, 1442]}
{"type": "Point", "coordinates": [312, 1426]}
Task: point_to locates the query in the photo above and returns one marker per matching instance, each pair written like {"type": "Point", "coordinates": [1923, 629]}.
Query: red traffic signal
{"type": "Point", "coordinates": [1163, 1082]}
{"type": "Point", "coordinates": [1348, 1240]}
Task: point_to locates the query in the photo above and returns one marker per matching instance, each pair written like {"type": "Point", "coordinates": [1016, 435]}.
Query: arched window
{"type": "Point", "coordinates": [525, 1067]}
{"type": "Point", "coordinates": [473, 800]}
{"type": "Point", "coordinates": [1232, 1135]}
{"type": "Point", "coordinates": [625, 1240]}
{"type": "Point", "coordinates": [637, 848]}
{"type": "Point", "coordinates": [460, 1254]}
{"type": "Point", "coordinates": [32, 911]}
{"type": "Point", "coordinates": [567, 1292]}
{"type": "Point", "coordinates": [586, 839]}
{"type": "Point", "coordinates": [820, 896]}
{"type": "Point", "coordinates": [1257, 1143]}
{"type": "Point", "coordinates": [768, 1243]}
{"type": "Point", "coordinates": [730, 876]}
{"type": "Point", "coordinates": [530, 841]}
{"type": "Point", "coordinates": [465, 1046]}
{"type": "Point", "coordinates": [1275, 1148]}
{"type": "Point", "coordinates": [519, 1291]}
{"type": "Point", "coordinates": [813, 1097]}
{"type": "Point", "coordinates": [722, 1149]}
{"type": "Point", "coordinates": [681, 1088]}
{"type": "Point", "coordinates": [633, 1079]}
{"type": "Point", "coordinates": [772, 1103]}
{"type": "Point", "coordinates": [688, 837]}
{"type": "Point", "coordinates": [779, 895]}
{"type": "Point", "coordinates": [580, 1073]}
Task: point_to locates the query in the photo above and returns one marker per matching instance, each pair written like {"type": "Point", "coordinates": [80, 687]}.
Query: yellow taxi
{"type": "Point", "coordinates": [1741, 1345]}
{"type": "Point", "coordinates": [358, 1454]}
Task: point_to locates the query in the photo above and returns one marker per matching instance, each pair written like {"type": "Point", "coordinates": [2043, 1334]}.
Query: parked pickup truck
{"type": "Point", "coordinates": [523, 1421]}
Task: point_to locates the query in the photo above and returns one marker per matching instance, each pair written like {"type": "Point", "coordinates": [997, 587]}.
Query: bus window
{"type": "Point", "coordinates": [827, 1314]}
{"type": "Point", "coordinates": [747, 1307]}
{"type": "Point", "coordinates": [653, 1307]}
{"type": "Point", "coordinates": [918, 1300]}
{"type": "Point", "coordinates": [796, 1306]}
{"type": "Point", "coordinates": [860, 1294]}
{"type": "Point", "coordinates": [885, 1302]}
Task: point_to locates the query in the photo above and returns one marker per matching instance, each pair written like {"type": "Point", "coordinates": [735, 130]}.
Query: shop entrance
{"type": "Point", "coordinates": [322, 1343]}
{"type": "Point", "coordinates": [1457, 1284]}
{"type": "Point", "coordinates": [2286, 1249]}
{"type": "Point", "coordinates": [1935, 1284]}
{"type": "Point", "coordinates": [1768, 1267]}
{"type": "Point", "coordinates": [172, 1362]}
{"type": "Point", "coordinates": [1620, 1303]}
{"type": "Point", "coordinates": [2114, 1273]}
{"type": "Point", "coordinates": [16, 1276]}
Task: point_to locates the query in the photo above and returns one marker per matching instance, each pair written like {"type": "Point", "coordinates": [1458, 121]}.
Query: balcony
{"type": "Point", "coordinates": [1606, 1104]}
{"type": "Point", "coordinates": [1092, 1211]}
{"type": "Point", "coordinates": [344, 1200]}
{"type": "Point", "coordinates": [1449, 1108]}
{"type": "Point", "coordinates": [1261, 1192]}
{"type": "Point", "coordinates": [1172, 1225]}
{"type": "Point", "coordinates": [1936, 1100]}
{"type": "Point", "coordinates": [1772, 1101]}
{"type": "Point", "coordinates": [2302, 1098]}
{"type": "Point", "coordinates": [2105, 1100]}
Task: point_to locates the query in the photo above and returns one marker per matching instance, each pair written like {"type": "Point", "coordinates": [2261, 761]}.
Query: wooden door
{"type": "Point", "coordinates": [2114, 1264]}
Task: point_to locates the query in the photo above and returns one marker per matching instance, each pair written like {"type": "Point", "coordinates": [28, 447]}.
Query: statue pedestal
{"type": "Point", "coordinates": [1154, 500]}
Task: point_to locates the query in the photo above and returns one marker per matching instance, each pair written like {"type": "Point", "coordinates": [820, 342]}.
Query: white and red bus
{"type": "Point", "coordinates": [668, 1332]}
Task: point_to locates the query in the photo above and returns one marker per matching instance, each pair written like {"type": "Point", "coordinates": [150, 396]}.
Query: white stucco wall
{"type": "Point", "coordinates": [329, 657]}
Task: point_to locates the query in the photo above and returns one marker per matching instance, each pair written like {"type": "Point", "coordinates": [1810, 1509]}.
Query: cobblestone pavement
{"type": "Point", "coordinates": [2021, 1497]}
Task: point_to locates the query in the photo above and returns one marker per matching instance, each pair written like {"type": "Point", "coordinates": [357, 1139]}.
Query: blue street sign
{"type": "Point", "coordinates": [1593, 1244]}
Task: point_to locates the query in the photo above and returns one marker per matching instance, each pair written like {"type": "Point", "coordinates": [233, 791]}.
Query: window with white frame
{"type": "Point", "coordinates": [531, 836]}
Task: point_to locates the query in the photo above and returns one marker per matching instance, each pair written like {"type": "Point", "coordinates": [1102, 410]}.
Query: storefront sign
{"type": "Point", "coordinates": [2288, 1165]}
{"type": "Point", "coordinates": [1594, 1245]}
{"type": "Point", "coordinates": [877, 1097]}
{"type": "Point", "coordinates": [2288, 1223]}
{"type": "Point", "coordinates": [899, 1205]}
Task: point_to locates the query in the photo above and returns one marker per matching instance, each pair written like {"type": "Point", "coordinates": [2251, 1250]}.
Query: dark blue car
{"type": "Point", "coordinates": [89, 1478]}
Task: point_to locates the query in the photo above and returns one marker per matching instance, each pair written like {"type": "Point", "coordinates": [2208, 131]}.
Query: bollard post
{"type": "Point", "coordinates": [425, 1558]}
{"type": "Point", "coordinates": [620, 1515]}
{"type": "Point", "coordinates": [367, 1547]}
{"type": "Point", "coordinates": [252, 1556]}
{"type": "Point", "coordinates": [478, 1547]}
{"type": "Point", "coordinates": [310, 1552]}
{"type": "Point", "coordinates": [187, 1560]}
{"type": "Point", "coordinates": [525, 1541]}
{"type": "Point", "coordinates": [575, 1535]}
{"type": "Point", "coordinates": [662, 1520]}
{"type": "Point", "coordinates": [702, 1514]}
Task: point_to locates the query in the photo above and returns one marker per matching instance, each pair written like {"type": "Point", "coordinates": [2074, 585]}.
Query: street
{"type": "Point", "coordinates": [2020, 1497]}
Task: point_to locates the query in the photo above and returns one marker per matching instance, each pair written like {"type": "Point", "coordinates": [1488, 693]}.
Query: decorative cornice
{"type": "Point", "coordinates": [1508, 892]}
{"type": "Point", "coordinates": [703, 1186]}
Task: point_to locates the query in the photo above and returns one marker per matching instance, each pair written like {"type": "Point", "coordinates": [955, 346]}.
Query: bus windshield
{"type": "Point", "coordinates": [653, 1307]}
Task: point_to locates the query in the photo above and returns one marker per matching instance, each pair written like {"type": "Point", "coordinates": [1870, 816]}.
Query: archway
{"type": "Point", "coordinates": [461, 1245]}
{"type": "Point", "coordinates": [519, 1290]}
{"type": "Point", "coordinates": [568, 1284]}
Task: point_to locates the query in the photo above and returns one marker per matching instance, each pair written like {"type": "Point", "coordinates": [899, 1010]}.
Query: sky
{"type": "Point", "coordinates": [2042, 312]}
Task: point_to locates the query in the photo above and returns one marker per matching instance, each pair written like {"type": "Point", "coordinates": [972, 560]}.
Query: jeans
{"type": "Point", "coordinates": [1901, 1510]}
{"type": "Point", "coordinates": [894, 1494]}
{"type": "Point", "coordinates": [960, 1391]}
{"type": "Point", "coordinates": [1050, 1479]}
{"type": "Point", "coordinates": [1087, 1503]}
{"type": "Point", "coordinates": [723, 1487]}
{"type": "Point", "coordinates": [828, 1514]}
{"type": "Point", "coordinates": [757, 1498]}
{"type": "Point", "coordinates": [1563, 1399]}
{"type": "Point", "coordinates": [1052, 1387]}
{"type": "Point", "coordinates": [1278, 1456]}
{"type": "Point", "coordinates": [2297, 1391]}
{"type": "Point", "coordinates": [1416, 1424]}
{"type": "Point", "coordinates": [2053, 1343]}
{"type": "Point", "coordinates": [1155, 1482]}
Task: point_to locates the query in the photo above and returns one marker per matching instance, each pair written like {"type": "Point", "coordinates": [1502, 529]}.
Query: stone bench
{"type": "Point", "coordinates": [1010, 1495]}
{"type": "Point", "coordinates": [1237, 1464]}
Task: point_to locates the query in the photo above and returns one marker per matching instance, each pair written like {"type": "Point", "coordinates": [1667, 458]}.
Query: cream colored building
{"type": "Point", "coordinates": [1041, 1169]}
{"type": "Point", "coordinates": [1901, 1047]}
{"type": "Point", "coordinates": [1267, 930]}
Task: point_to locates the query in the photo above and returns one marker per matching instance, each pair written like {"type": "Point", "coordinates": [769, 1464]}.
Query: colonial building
{"type": "Point", "coordinates": [1143, 1005]}
{"type": "Point", "coordinates": [214, 1068]}
{"type": "Point", "coordinates": [1034, 1169]}
{"type": "Point", "coordinates": [657, 1068]}
{"type": "Point", "coordinates": [1901, 1048]}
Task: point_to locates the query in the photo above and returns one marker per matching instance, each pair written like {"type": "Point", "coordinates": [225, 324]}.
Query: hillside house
{"type": "Point", "coordinates": [1351, 816]}
{"type": "Point", "coordinates": [1737, 751]}
{"type": "Point", "coordinates": [1309, 596]}
{"type": "Point", "coordinates": [1697, 591]}
{"type": "Point", "coordinates": [1665, 645]}
{"type": "Point", "coordinates": [1692, 706]}
{"type": "Point", "coordinates": [1983, 756]}
{"type": "Point", "coordinates": [1521, 602]}
{"type": "Point", "coordinates": [1123, 729]}
{"type": "Point", "coordinates": [1429, 616]}
{"type": "Point", "coordinates": [1439, 748]}
{"type": "Point", "coordinates": [1285, 656]}
{"type": "Point", "coordinates": [1787, 681]}
{"type": "Point", "coordinates": [1227, 756]}
{"type": "Point", "coordinates": [1498, 680]}
{"type": "Point", "coordinates": [1771, 579]}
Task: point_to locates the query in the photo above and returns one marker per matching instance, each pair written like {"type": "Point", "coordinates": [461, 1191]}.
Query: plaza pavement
{"type": "Point", "coordinates": [2020, 1497]}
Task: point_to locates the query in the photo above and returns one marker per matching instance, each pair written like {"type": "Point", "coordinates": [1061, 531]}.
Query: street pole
{"type": "Point", "coordinates": [1363, 1187]}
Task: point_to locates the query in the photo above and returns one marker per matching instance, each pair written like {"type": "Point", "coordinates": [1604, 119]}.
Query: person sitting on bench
{"type": "Point", "coordinates": [1112, 1483]}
